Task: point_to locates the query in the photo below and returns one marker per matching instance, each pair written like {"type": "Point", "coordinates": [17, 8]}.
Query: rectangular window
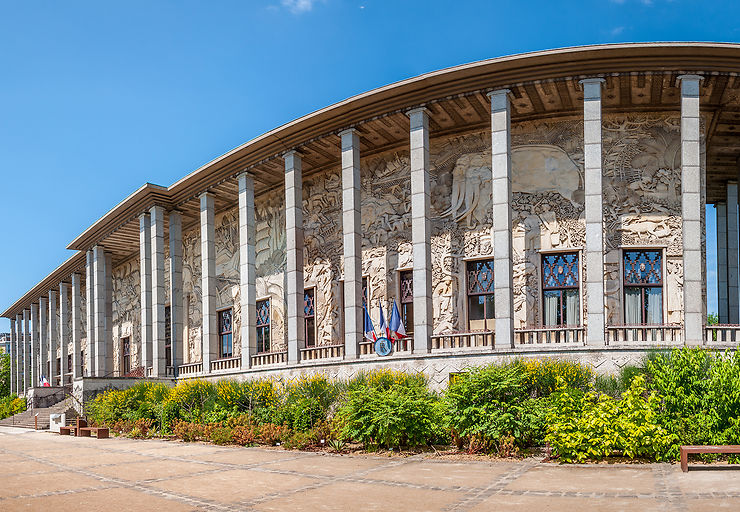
{"type": "Point", "coordinates": [560, 292]}
{"type": "Point", "coordinates": [364, 292]}
{"type": "Point", "coordinates": [225, 333]}
{"type": "Point", "coordinates": [643, 287]}
{"type": "Point", "coordinates": [309, 317]}
{"type": "Point", "coordinates": [82, 362]}
{"type": "Point", "coordinates": [481, 313]}
{"type": "Point", "coordinates": [167, 336]}
{"type": "Point", "coordinates": [69, 363]}
{"type": "Point", "coordinates": [406, 280]}
{"type": "Point", "coordinates": [263, 325]}
{"type": "Point", "coordinates": [126, 355]}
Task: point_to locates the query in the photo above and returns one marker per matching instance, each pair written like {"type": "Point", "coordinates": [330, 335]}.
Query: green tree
{"type": "Point", "coordinates": [4, 375]}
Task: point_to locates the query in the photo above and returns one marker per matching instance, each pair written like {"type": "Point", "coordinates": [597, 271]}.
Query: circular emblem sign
{"type": "Point", "coordinates": [383, 346]}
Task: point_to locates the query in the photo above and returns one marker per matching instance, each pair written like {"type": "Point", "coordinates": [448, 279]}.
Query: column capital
{"type": "Point", "coordinates": [143, 214]}
{"type": "Point", "coordinates": [594, 80]}
{"type": "Point", "coordinates": [348, 131]}
{"type": "Point", "coordinates": [205, 194]}
{"type": "Point", "coordinates": [292, 153]}
{"type": "Point", "coordinates": [498, 93]}
{"type": "Point", "coordinates": [690, 77]}
{"type": "Point", "coordinates": [245, 174]}
{"type": "Point", "coordinates": [417, 110]}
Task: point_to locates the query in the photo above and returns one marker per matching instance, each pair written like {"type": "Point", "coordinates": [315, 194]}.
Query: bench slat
{"type": "Point", "coordinates": [685, 450]}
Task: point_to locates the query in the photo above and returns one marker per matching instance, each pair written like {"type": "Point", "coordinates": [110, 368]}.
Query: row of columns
{"type": "Point", "coordinates": [728, 257]}
{"type": "Point", "coordinates": [39, 332]}
{"type": "Point", "coordinates": [44, 334]}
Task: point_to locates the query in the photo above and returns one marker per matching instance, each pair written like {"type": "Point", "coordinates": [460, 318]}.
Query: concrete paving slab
{"type": "Point", "coordinates": [234, 485]}
{"type": "Point", "coordinates": [150, 470]}
{"type": "Point", "coordinates": [594, 479]}
{"type": "Point", "coordinates": [501, 503]}
{"type": "Point", "coordinates": [345, 496]}
{"type": "Point", "coordinates": [22, 485]}
{"type": "Point", "coordinates": [330, 465]}
{"type": "Point", "coordinates": [248, 456]}
{"type": "Point", "coordinates": [120, 500]}
{"type": "Point", "coordinates": [443, 474]}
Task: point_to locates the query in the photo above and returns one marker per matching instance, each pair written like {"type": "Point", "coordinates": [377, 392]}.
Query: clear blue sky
{"type": "Point", "coordinates": [97, 98]}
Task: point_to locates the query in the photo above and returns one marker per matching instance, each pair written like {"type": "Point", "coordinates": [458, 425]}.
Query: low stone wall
{"type": "Point", "coordinates": [86, 388]}
{"type": "Point", "coordinates": [439, 365]}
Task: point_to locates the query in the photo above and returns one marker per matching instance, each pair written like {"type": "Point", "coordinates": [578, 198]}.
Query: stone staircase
{"type": "Point", "coordinates": [26, 419]}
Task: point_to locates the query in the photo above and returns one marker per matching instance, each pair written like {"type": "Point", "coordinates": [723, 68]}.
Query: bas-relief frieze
{"type": "Point", "coordinates": [126, 280]}
{"type": "Point", "coordinates": [641, 207]}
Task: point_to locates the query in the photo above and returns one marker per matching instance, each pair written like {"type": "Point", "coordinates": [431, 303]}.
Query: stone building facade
{"type": "Point", "coordinates": [549, 203]}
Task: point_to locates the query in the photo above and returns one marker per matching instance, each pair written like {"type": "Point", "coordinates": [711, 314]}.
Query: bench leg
{"type": "Point", "coordinates": [684, 461]}
{"type": "Point", "coordinates": [103, 435]}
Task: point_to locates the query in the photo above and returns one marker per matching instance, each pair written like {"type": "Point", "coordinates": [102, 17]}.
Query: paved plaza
{"type": "Point", "coordinates": [43, 471]}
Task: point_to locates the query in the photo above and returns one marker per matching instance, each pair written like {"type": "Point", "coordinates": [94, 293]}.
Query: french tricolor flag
{"type": "Point", "coordinates": [369, 329]}
{"type": "Point", "coordinates": [395, 325]}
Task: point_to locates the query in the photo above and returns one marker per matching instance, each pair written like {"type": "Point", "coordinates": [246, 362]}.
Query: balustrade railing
{"type": "Point", "coordinates": [399, 345]}
{"type": "Point", "coordinates": [722, 333]}
{"type": "Point", "coordinates": [265, 358]}
{"type": "Point", "coordinates": [549, 334]}
{"type": "Point", "coordinates": [322, 352]}
{"type": "Point", "coordinates": [648, 333]}
{"type": "Point", "coordinates": [227, 363]}
{"type": "Point", "coordinates": [463, 340]}
{"type": "Point", "coordinates": [189, 369]}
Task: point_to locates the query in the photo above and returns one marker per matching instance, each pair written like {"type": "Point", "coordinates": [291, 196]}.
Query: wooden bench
{"type": "Point", "coordinates": [100, 432]}
{"type": "Point", "coordinates": [73, 430]}
{"type": "Point", "coordinates": [685, 450]}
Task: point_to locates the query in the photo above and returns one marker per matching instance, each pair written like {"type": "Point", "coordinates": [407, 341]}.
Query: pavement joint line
{"type": "Point", "coordinates": [59, 493]}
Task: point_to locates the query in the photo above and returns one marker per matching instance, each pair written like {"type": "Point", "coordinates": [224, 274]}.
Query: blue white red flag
{"type": "Point", "coordinates": [384, 329]}
{"type": "Point", "coordinates": [369, 329]}
{"type": "Point", "coordinates": [45, 382]}
{"type": "Point", "coordinates": [395, 325]}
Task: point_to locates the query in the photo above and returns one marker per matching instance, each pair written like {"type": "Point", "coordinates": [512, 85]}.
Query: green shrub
{"type": "Point", "coordinates": [588, 426]}
{"type": "Point", "coordinates": [271, 434]}
{"type": "Point", "coordinates": [307, 401]}
{"type": "Point", "coordinates": [542, 375]}
{"type": "Point", "coordinates": [222, 435]}
{"type": "Point", "coordinates": [402, 414]}
{"type": "Point", "coordinates": [244, 435]}
{"type": "Point", "coordinates": [11, 405]}
{"type": "Point", "coordinates": [194, 399]}
{"type": "Point", "coordinates": [489, 403]}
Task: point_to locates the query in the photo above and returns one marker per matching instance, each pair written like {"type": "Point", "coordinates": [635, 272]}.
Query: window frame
{"type": "Point", "coordinates": [260, 328]}
{"type": "Point", "coordinates": [222, 333]}
{"type": "Point", "coordinates": [578, 286]}
{"type": "Point", "coordinates": [168, 335]}
{"type": "Point", "coordinates": [309, 319]}
{"type": "Point", "coordinates": [408, 305]}
{"type": "Point", "coordinates": [661, 250]}
{"type": "Point", "coordinates": [125, 357]}
{"type": "Point", "coordinates": [469, 261]}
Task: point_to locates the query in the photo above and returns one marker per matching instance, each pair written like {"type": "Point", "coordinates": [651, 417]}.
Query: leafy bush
{"type": "Point", "coordinates": [271, 434]}
{"type": "Point", "coordinates": [390, 413]}
{"type": "Point", "coordinates": [542, 375]}
{"type": "Point", "coordinates": [307, 401]}
{"type": "Point", "coordinates": [492, 402]}
{"type": "Point", "coordinates": [588, 426]}
{"type": "Point", "coordinates": [11, 405]}
{"type": "Point", "coordinates": [222, 435]}
{"type": "Point", "coordinates": [244, 435]}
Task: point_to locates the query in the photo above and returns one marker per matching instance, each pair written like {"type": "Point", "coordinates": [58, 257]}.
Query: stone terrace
{"type": "Point", "coordinates": [41, 471]}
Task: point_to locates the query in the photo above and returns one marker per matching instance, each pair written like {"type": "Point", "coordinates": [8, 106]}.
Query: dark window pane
{"type": "Point", "coordinates": [407, 287]}
{"type": "Point", "coordinates": [480, 276]}
{"type": "Point", "coordinates": [560, 270]}
{"type": "Point", "coordinates": [643, 267]}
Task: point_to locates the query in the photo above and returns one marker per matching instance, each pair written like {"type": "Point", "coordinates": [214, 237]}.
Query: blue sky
{"type": "Point", "coordinates": [97, 98]}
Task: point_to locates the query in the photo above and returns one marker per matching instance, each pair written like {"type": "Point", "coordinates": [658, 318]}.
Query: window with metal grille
{"type": "Point", "coordinates": [263, 325]}
{"type": "Point", "coordinates": [225, 333]}
{"type": "Point", "coordinates": [364, 292]}
{"type": "Point", "coordinates": [82, 362]}
{"type": "Point", "coordinates": [643, 286]}
{"type": "Point", "coordinates": [167, 336]}
{"type": "Point", "coordinates": [309, 317]}
{"type": "Point", "coordinates": [69, 363]}
{"type": "Point", "coordinates": [126, 355]}
{"type": "Point", "coordinates": [560, 289]}
{"type": "Point", "coordinates": [406, 281]}
{"type": "Point", "coordinates": [481, 312]}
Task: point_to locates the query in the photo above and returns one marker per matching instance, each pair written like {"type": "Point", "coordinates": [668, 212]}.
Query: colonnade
{"type": "Point", "coordinates": [35, 331]}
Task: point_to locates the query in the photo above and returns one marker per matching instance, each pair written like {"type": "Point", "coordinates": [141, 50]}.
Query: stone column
{"type": "Point", "coordinates": [145, 273]}
{"type": "Point", "coordinates": [99, 308]}
{"type": "Point", "coordinates": [247, 270]}
{"type": "Point", "coordinates": [501, 236]}
{"type": "Point", "coordinates": [76, 326]}
{"type": "Point", "coordinates": [90, 315]}
{"type": "Point", "coordinates": [421, 233]}
{"type": "Point", "coordinates": [12, 355]}
{"type": "Point", "coordinates": [108, 329]}
{"type": "Point", "coordinates": [722, 305]}
{"type": "Point", "coordinates": [43, 327]}
{"type": "Point", "coordinates": [352, 232]}
{"type": "Point", "coordinates": [208, 280]}
{"type": "Point", "coordinates": [594, 250]}
{"type": "Point", "coordinates": [176, 309]}
{"type": "Point", "coordinates": [156, 214]}
{"type": "Point", "coordinates": [26, 352]}
{"type": "Point", "coordinates": [294, 249]}
{"type": "Point", "coordinates": [34, 380]}
{"type": "Point", "coordinates": [21, 351]}
{"type": "Point", "coordinates": [733, 257]}
{"type": "Point", "coordinates": [63, 328]}
{"type": "Point", "coordinates": [691, 196]}
{"type": "Point", "coordinates": [53, 342]}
